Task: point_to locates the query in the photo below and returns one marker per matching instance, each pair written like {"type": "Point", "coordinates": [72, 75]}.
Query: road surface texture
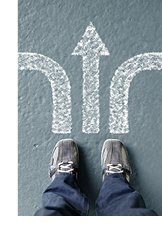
{"type": "Point", "coordinates": [53, 28]}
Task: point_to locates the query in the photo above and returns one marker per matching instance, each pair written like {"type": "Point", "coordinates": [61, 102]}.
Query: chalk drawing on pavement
{"type": "Point", "coordinates": [60, 85]}
{"type": "Point", "coordinates": [120, 84]}
{"type": "Point", "coordinates": [90, 47]}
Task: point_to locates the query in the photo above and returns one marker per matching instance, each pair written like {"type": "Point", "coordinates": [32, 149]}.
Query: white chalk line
{"type": "Point", "coordinates": [90, 47]}
{"type": "Point", "coordinates": [120, 84]}
{"type": "Point", "coordinates": [60, 86]}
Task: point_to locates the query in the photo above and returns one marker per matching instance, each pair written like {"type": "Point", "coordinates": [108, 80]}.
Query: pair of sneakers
{"type": "Point", "coordinates": [114, 158]}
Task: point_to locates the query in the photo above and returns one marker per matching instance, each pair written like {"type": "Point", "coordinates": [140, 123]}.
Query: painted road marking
{"type": "Point", "coordinates": [90, 47]}
{"type": "Point", "coordinates": [60, 85]}
{"type": "Point", "coordinates": [119, 88]}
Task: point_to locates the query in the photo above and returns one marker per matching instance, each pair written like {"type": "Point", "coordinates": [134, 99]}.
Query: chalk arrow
{"type": "Point", "coordinates": [120, 84]}
{"type": "Point", "coordinates": [90, 47]}
{"type": "Point", "coordinates": [60, 85]}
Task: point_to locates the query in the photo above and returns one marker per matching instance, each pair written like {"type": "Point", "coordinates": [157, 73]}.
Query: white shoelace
{"type": "Point", "coordinates": [65, 167]}
{"type": "Point", "coordinates": [111, 168]}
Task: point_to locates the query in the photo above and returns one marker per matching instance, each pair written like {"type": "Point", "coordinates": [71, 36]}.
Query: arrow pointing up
{"type": "Point", "coordinates": [90, 47]}
{"type": "Point", "coordinates": [90, 43]}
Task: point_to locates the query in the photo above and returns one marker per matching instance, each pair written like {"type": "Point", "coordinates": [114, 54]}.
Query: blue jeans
{"type": "Point", "coordinates": [116, 197]}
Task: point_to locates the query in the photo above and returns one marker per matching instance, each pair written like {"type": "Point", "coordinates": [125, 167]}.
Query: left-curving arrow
{"type": "Point", "coordinates": [60, 85]}
{"type": "Point", "coordinates": [90, 47]}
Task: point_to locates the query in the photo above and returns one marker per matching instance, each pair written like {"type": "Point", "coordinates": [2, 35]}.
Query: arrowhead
{"type": "Point", "coordinates": [90, 43]}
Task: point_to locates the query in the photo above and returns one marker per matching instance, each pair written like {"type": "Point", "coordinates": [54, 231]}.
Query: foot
{"type": "Point", "coordinates": [65, 158]}
{"type": "Point", "coordinates": [114, 159]}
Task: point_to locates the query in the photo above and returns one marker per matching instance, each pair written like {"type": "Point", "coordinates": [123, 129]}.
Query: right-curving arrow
{"type": "Point", "coordinates": [120, 84]}
{"type": "Point", "coordinates": [90, 47]}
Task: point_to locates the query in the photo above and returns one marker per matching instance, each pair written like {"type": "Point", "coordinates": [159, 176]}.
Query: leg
{"type": "Point", "coordinates": [63, 196]}
{"type": "Point", "coordinates": [117, 197]}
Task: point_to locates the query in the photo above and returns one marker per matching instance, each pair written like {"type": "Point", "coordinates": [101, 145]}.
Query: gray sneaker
{"type": "Point", "coordinates": [114, 158]}
{"type": "Point", "coordinates": [65, 158]}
